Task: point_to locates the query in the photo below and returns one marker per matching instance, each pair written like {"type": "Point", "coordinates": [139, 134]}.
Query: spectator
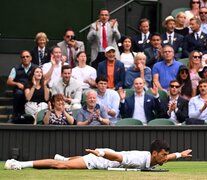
{"type": "Point", "coordinates": [108, 98]}
{"type": "Point", "coordinates": [92, 113]}
{"type": "Point", "coordinates": [154, 52]}
{"type": "Point", "coordinates": [142, 40]}
{"type": "Point", "coordinates": [103, 33]}
{"type": "Point", "coordinates": [52, 69]}
{"type": "Point", "coordinates": [180, 24]}
{"type": "Point", "coordinates": [193, 12]}
{"type": "Point", "coordinates": [41, 53]}
{"type": "Point", "coordinates": [140, 105]}
{"type": "Point", "coordinates": [197, 105]}
{"type": "Point", "coordinates": [194, 65]}
{"type": "Point", "coordinates": [175, 107]}
{"type": "Point", "coordinates": [172, 38]}
{"type": "Point", "coordinates": [203, 3]}
{"type": "Point", "coordinates": [112, 68]}
{"type": "Point", "coordinates": [57, 114]}
{"type": "Point", "coordinates": [127, 55]}
{"type": "Point", "coordinates": [36, 93]}
{"type": "Point", "coordinates": [165, 71]}
{"type": "Point", "coordinates": [139, 69]}
{"type": "Point", "coordinates": [184, 80]}
{"type": "Point", "coordinates": [70, 46]}
{"type": "Point", "coordinates": [203, 73]}
{"type": "Point", "coordinates": [17, 78]}
{"type": "Point", "coordinates": [84, 73]}
{"type": "Point", "coordinates": [203, 16]}
{"type": "Point", "coordinates": [69, 87]}
{"type": "Point", "coordinates": [195, 40]}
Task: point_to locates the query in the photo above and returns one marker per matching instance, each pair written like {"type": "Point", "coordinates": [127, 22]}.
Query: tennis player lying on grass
{"type": "Point", "coordinates": [106, 158]}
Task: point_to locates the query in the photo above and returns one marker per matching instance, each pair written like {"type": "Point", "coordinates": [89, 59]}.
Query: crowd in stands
{"type": "Point", "coordinates": [71, 92]}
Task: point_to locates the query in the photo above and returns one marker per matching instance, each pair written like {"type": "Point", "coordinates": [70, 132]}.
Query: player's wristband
{"type": "Point", "coordinates": [101, 152]}
{"type": "Point", "coordinates": [178, 155]}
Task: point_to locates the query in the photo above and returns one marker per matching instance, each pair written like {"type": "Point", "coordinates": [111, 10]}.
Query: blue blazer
{"type": "Point", "coordinates": [190, 44]}
{"type": "Point", "coordinates": [177, 44]}
{"type": "Point", "coordinates": [119, 72]}
{"type": "Point", "coordinates": [151, 105]}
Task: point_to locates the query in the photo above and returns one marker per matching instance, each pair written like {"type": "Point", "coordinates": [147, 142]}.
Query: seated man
{"type": "Point", "coordinates": [92, 113]}
{"type": "Point", "coordinates": [175, 107]}
{"type": "Point", "coordinates": [17, 78]}
{"type": "Point", "coordinates": [106, 158]}
{"type": "Point", "coordinates": [108, 98]}
{"type": "Point", "coordinates": [140, 105]}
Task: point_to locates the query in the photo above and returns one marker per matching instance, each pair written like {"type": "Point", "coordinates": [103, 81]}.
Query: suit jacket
{"type": "Point", "coordinates": [138, 45]}
{"type": "Point", "coordinates": [182, 112]}
{"type": "Point", "coordinates": [94, 38]}
{"type": "Point", "coordinates": [190, 44]}
{"type": "Point", "coordinates": [63, 46]}
{"type": "Point", "coordinates": [151, 105]}
{"type": "Point", "coordinates": [119, 72]}
{"type": "Point", "coordinates": [35, 56]}
{"type": "Point", "coordinates": [177, 43]}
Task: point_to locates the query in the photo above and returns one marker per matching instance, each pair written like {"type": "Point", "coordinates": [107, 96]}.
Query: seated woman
{"type": "Point", "coordinates": [36, 93]}
{"type": "Point", "coordinates": [183, 78]}
{"type": "Point", "coordinates": [57, 114]}
{"type": "Point", "coordinates": [180, 27]}
{"type": "Point", "coordinates": [139, 69]}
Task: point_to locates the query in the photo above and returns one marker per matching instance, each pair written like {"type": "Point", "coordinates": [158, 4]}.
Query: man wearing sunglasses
{"type": "Point", "coordinates": [175, 107]}
{"type": "Point", "coordinates": [203, 16]}
{"type": "Point", "coordinates": [70, 47]}
{"type": "Point", "coordinates": [17, 79]}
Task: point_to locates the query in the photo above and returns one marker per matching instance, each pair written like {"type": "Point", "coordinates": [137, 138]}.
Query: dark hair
{"type": "Point", "coordinates": [103, 9]}
{"type": "Point", "coordinates": [143, 20]}
{"type": "Point", "coordinates": [101, 78]}
{"type": "Point", "coordinates": [53, 47]}
{"type": "Point", "coordinates": [155, 34]}
{"type": "Point", "coordinates": [30, 80]}
{"type": "Point", "coordinates": [191, 2]}
{"type": "Point", "coordinates": [79, 53]}
{"type": "Point", "coordinates": [55, 98]}
{"type": "Point", "coordinates": [186, 84]}
{"type": "Point", "coordinates": [122, 47]}
{"type": "Point", "coordinates": [158, 145]}
{"type": "Point", "coordinates": [65, 67]}
{"type": "Point", "coordinates": [202, 81]}
{"type": "Point", "coordinates": [175, 80]}
{"type": "Point", "coordinates": [23, 52]}
{"type": "Point", "coordinates": [68, 29]}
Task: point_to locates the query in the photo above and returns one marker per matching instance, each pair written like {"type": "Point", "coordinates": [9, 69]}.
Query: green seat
{"type": "Point", "coordinates": [40, 116]}
{"type": "Point", "coordinates": [177, 10]}
{"type": "Point", "coordinates": [129, 92]}
{"type": "Point", "coordinates": [184, 61]}
{"type": "Point", "coordinates": [160, 122]}
{"type": "Point", "coordinates": [128, 121]}
{"type": "Point", "coordinates": [163, 94]}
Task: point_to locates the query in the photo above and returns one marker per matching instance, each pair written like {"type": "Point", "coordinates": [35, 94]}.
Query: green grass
{"type": "Point", "coordinates": [177, 171]}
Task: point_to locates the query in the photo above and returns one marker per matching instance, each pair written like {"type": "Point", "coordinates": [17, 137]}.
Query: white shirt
{"type": "Point", "coordinates": [82, 74]}
{"type": "Point", "coordinates": [127, 59]}
{"type": "Point", "coordinates": [139, 109]}
{"type": "Point", "coordinates": [172, 114]}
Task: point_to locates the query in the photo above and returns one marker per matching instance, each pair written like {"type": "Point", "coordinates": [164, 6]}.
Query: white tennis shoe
{"type": "Point", "coordinates": [12, 164]}
{"type": "Point", "coordinates": [59, 157]}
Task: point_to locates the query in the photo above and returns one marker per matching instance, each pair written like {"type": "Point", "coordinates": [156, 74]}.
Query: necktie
{"type": "Point", "coordinates": [104, 38]}
{"type": "Point", "coordinates": [170, 39]}
{"type": "Point", "coordinates": [70, 56]}
{"type": "Point", "coordinates": [197, 36]}
{"type": "Point", "coordinates": [145, 39]}
{"type": "Point", "coordinates": [40, 57]}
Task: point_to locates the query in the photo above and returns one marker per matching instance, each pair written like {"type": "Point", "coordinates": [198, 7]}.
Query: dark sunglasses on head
{"type": "Point", "coordinates": [195, 2]}
{"type": "Point", "coordinates": [174, 86]}
{"type": "Point", "coordinates": [25, 57]}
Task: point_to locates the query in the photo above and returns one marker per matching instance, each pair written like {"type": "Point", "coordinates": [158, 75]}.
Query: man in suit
{"type": "Point", "coordinates": [70, 47]}
{"type": "Point", "coordinates": [140, 105]}
{"type": "Point", "coordinates": [142, 40]}
{"type": "Point", "coordinates": [103, 33]}
{"type": "Point", "coordinates": [154, 52]}
{"type": "Point", "coordinates": [41, 53]}
{"type": "Point", "coordinates": [172, 38]}
{"type": "Point", "coordinates": [196, 40]}
{"type": "Point", "coordinates": [175, 107]}
{"type": "Point", "coordinates": [112, 68]}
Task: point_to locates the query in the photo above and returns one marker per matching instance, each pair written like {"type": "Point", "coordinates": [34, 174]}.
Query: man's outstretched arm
{"type": "Point", "coordinates": [110, 155]}
{"type": "Point", "coordinates": [183, 154]}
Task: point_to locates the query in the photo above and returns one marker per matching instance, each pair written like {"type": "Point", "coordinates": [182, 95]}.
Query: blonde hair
{"type": "Point", "coordinates": [139, 55]}
{"type": "Point", "coordinates": [179, 14]}
{"type": "Point", "coordinates": [41, 35]}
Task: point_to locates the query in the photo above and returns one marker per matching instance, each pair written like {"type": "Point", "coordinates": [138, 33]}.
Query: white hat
{"type": "Point", "coordinates": [109, 48]}
{"type": "Point", "coordinates": [168, 18]}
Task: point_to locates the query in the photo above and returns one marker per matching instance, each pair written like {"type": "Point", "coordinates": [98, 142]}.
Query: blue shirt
{"type": "Point", "coordinates": [166, 72]}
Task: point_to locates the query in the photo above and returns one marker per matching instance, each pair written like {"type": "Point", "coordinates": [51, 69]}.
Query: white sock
{"type": "Point", "coordinates": [26, 164]}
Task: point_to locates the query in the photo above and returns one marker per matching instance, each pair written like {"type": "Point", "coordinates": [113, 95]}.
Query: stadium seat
{"type": "Point", "coordinates": [129, 92]}
{"type": "Point", "coordinates": [160, 122]}
{"type": "Point", "coordinates": [177, 10]}
{"type": "Point", "coordinates": [184, 61]}
{"type": "Point", "coordinates": [163, 94]}
{"type": "Point", "coordinates": [128, 121]}
{"type": "Point", "coordinates": [40, 116]}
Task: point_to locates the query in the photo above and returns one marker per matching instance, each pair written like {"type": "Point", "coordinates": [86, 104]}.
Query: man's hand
{"type": "Point", "coordinates": [122, 93]}
{"type": "Point", "coordinates": [20, 86]}
{"type": "Point", "coordinates": [95, 152]}
{"type": "Point", "coordinates": [154, 90]}
{"type": "Point", "coordinates": [186, 153]}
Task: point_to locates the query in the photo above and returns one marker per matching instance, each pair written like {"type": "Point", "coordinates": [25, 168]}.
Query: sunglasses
{"type": "Point", "coordinates": [72, 37]}
{"type": "Point", "coordinates": [195, 2]}
{"type": "Point", "coordinates": [183, 72]}
{"type": "Point", "coordinates": [196, 57]}
{"type": "Point", "coordinates": [25, 57]}
{"type": "Point", "coordinates": [174, 86]}
{"type": "Point", "coordinates": [203, 13]}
